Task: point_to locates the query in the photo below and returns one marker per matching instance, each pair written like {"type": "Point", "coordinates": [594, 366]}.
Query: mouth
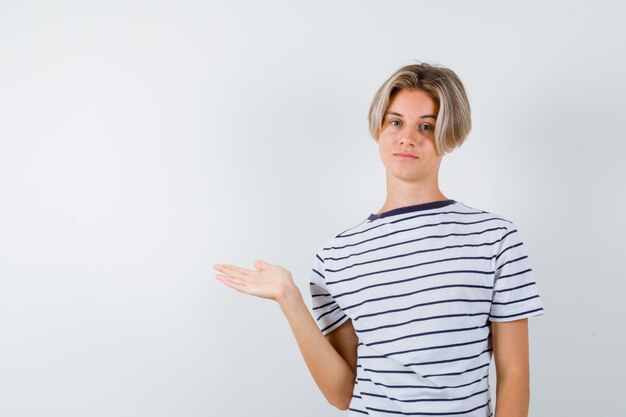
{"type": "Point", "coordinates": [404, 156]}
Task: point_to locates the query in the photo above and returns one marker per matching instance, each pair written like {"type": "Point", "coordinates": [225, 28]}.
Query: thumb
{"type": "Point", "coordinates": [261, 265]}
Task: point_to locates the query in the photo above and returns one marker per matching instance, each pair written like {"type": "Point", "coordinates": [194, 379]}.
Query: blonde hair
{"type": "Point", "coordinates": [444, 86]}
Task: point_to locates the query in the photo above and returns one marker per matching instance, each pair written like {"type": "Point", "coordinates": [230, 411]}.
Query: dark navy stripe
{"type": "Point", "coordinates": [438, 387]}
{"type": "Point", "coordinates": [516, 301]}
{"type": "Point", "coordinates": [383, 371]}
{"type": "Point", "coordinates": [364, 221]}
{"type": "Point", "coordinates": [400, 268]}
{"type": "Point", "coordinates": [320, 295]}
{"type": "Point", "coordinates": [518, 314]}
{"type": "Point", "coordinates": [412, 229]}
{"type": "Point", "coordinates": [445, 316]}
{"type": "Point", "coordinates": [402, 281]}
{"type": "Point", "coordinates": [359, 411]}
{"type": "Point", "coordinates": [345, 232]}
{"type": "Point", "coordinates": [509, 248]}
{"type": "Point", "coordinates": [402, 255]}
{"type": "Point", "coordinates": [314, 287]}
{"type": "Point", "coordinates": [439, 213]}
{"type": "Point", "coordinates": [318, 273]}
{"type": "Point", "coordinates": [462, 358]}
{"type": "Point", "coordinates": [400, 352]}
{"type": "Point", "coordinates": [396, 310]}
{"type": "Point", "coordinates": [414, 240]}
{"type": "Point", "coordinates": [411, 266]}
{"type": "Point", "coordinates": [352, 278]}
{"type": "Point", "coordinates": [458, 373]}
{"type": "Point", "coordinates": [409, 209]}
{"type": "Point", "coordinates": [509, 233]}
{"type": "Point", "coordinates": [512, 261]}
{"type": "Point", "coordinates": [518, 287]}
{"type": "Point", "coordinates": [328, 312]}
{"type": "Point", "coordinates": [323, 305]}
{"type": "Point", "coordinates": [426, 399]}
{"type": "Point", "coordinates": [462, 329]}
{"type": "Point", "coordinates": [427, 414]}
{"type": "Point", "coordinates": [388, 297]}
{"type": "Point", "coordinates": [512, 275]}
{"type": "Point", "coordinates": [332, 324]}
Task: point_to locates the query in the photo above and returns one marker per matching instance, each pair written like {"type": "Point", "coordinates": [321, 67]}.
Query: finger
{"type": "Point", "coordinates": [235, 279]}
{"type": "Point", "coordinates": [261, 265]}
{"type": "Point", "coordinates": [236, 268]}
{"type": "Point", "coordinates": [235, 283]}
{"type": "Point", "coordinates": [233, 270]}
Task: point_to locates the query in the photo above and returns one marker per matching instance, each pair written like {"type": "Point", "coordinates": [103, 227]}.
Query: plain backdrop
{"type": "Point", "coordinates": [143, 141]}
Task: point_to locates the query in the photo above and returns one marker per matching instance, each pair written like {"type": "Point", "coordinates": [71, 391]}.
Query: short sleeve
{"type": "Point", "coordinates": [326, 311]}
{"type": "Point", "coordinates": [515, 292]}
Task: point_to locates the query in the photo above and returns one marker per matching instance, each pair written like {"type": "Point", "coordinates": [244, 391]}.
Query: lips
{"type": "Point", "coordinates": [404, 155]}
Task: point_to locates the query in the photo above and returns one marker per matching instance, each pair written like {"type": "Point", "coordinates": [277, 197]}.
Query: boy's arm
{"type": "Point", "coordinates": [331, 359]}
{"type": "Point", "coordinates": [345, 341]}
{"type": "Point", "coordinates": [510, 349]}
{"type": "Point", "coordinates": [333, 374]}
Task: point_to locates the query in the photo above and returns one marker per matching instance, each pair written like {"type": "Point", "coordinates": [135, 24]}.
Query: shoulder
{"type": "Point", "coordinates": [342, 237]}
{"type": "Point", "coordinates": [493, 216]}
{"type": "Point", "coordinates": [502, 228]}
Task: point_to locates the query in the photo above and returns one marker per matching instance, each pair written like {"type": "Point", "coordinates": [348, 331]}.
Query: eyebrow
{"type": "Point", "coordinates": [426, 116]}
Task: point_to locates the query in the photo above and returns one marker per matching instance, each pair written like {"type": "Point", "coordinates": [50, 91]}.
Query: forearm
{"type": "Point", "coordinates": [512, 396]}
{"type": "Point", "coordinates": [332, 374]}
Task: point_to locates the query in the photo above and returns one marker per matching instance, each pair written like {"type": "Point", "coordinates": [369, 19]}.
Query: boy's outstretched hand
{"type": "Point", "coordinates": [269, 281]}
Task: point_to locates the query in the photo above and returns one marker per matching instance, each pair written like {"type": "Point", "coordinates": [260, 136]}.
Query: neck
{"type": "Point", "coordinates": [403, 193]}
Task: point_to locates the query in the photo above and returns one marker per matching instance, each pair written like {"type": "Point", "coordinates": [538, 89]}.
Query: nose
{"type": "Point", "coordinates": [408, 136]}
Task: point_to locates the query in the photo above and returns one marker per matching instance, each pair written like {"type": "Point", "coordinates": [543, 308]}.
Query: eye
{"type": "Point", "coordinates": [426, 127]}
{"type": "Point", "coordinates": [395, 122]}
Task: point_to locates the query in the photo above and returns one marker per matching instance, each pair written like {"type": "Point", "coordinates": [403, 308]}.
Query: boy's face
{"type": "Point", "coordinates": [409, 127]}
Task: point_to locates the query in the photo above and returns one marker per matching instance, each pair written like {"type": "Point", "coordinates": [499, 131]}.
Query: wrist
{"type": "Point", "coordinates": [289, 297]}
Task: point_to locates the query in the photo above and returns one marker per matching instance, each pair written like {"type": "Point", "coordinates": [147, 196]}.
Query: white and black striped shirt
{"type": "Point", "coordinates": [421, 285]}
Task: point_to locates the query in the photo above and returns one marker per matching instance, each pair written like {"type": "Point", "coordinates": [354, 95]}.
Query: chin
{"type": "Point", "coordinates": [407, 176]}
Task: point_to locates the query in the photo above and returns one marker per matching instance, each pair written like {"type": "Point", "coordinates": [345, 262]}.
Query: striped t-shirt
{"type": "Point", "coordinates": [421, 285]}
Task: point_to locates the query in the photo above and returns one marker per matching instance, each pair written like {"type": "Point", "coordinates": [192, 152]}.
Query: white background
{"type": "Point", "coordinates": [141, 142]}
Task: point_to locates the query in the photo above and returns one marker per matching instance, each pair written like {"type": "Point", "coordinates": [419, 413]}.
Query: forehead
{"type": "Point", "coordinates": [412, 101]}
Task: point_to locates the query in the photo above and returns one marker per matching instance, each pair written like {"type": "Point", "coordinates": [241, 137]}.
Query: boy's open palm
{"type": "Point", "coordinates": [268, 281]}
